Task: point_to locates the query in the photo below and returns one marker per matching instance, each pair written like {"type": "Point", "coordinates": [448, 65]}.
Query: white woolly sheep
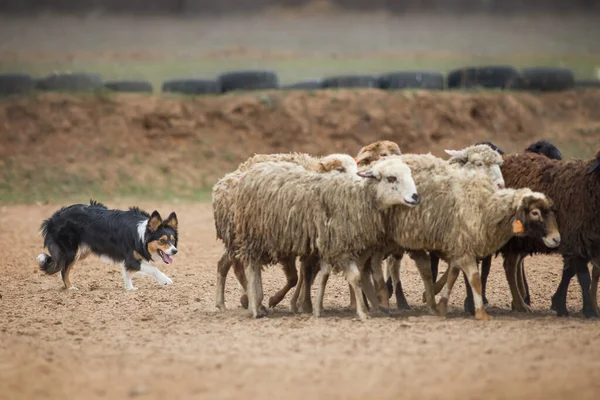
{"type": "Point", "coordinates": [288, 212]}
{"type": "Point", "coordinates": [223, 207]}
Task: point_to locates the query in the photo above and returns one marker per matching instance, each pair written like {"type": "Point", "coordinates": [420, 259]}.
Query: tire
{"type": "Point", "coordinates": [191, 86]}
{"type": "Point", "coordinates": [412, 79]}
{"type": "Point", "coordinates": [489, 77]}
{"type": "Point", "coordinates": [11, 84]}
{"type": "Point", "coordinates": [129, 86]}
{"type": "Point", "coordinates": [312, 84]}
{"type": "Point", "coordinates": [588, 83]}
{"type": "Point", "coordinates": [350, 81]}
{"type": "Point", "coordinates": [71, 82]}
{"type": "Point", "coordinates": [248, 80]}
{"type": "Point", "coordinates": [548, 79]}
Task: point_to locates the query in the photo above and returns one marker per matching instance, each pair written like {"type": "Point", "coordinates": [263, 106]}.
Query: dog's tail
{"type": "Point", "coordinates": [47, 263]}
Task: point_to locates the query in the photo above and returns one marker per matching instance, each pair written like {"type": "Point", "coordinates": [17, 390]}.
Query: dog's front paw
{"type": "Point", "coordinates": [128, 288]}
{"type": "Point", "coordinates": [164, 280]}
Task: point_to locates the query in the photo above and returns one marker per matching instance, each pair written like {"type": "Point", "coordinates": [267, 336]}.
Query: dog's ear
{"type": "Point", "coordinates": [171, 221]}
{"type": "Point", "coordinates": [154, 222]}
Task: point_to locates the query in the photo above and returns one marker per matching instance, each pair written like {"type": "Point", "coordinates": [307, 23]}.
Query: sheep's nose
{"type": "Point", "coordinates": [415, 197]}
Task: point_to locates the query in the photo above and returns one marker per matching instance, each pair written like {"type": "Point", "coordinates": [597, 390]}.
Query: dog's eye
{"type": "Point", "coordinates": [163, 241]}
{"type": "Point", "coordinates": [391, 179]}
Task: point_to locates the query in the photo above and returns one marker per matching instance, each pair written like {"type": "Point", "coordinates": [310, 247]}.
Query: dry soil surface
{"type": "Point", "coordinates": [170, 342]}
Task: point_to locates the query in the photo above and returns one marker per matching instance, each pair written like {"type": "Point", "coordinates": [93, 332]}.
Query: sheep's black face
{"type": "Point", "coordinates": [536, 219]}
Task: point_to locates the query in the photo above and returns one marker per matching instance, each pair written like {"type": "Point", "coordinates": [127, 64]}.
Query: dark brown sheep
{"type": "Point", "coordinates": [575, 188]}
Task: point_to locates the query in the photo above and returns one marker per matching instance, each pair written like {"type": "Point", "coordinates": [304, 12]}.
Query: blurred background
{"type": "Point", "coordinates": [60, 144]}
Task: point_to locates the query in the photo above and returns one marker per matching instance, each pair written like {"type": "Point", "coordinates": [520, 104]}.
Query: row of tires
{"type": "Point", "coordinates": [491, 77]}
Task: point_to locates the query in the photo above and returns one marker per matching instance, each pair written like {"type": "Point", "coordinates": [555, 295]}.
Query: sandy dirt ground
{"type": "Point", "coordinates": [170, 342]}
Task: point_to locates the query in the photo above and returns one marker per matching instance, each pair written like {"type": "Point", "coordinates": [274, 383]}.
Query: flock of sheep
{"type": "Point", "coordinates": [361, 215]}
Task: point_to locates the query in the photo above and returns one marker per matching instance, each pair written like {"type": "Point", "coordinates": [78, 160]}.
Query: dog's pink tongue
{"type": "Point", "coordinates": [167, 258]}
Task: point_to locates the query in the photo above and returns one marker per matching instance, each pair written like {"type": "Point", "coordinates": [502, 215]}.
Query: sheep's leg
{"type": "Point", "coordinates": [380, 286]}
{"type": "Point", "coordinates": [451, 275]}
{"type": "Point", "coordinates": [223, 267]}
{"type": "Point", "coordinates": [322, 278]}
{"type": "Point", "coordinates": [486, 265]}
{"type": "Point", "coordinates": [435, 263]}
{"type": "Point", "coordinates": [521, 280]}
{"type": "Point", "coordinates": [395, 264]}
{"type": "Point", "coordinates": [310, 268]}
{"type": "Point", "coordinates": [238, 270]}
{"type": "Point", "coordinates": [439, 284]}
{"type": "Point", "coordinates": [511, 264]}
{"type": "Point", "coordinates": [526, 294]}
{"type": "Point", "coordinates": [424, 267]}
{"type": "Point", "coordinates": [585, 281]}
{"type": "Point", "coordinates": [594, 286]}
{"type": "Point", "coordinates": [559, 298]}
{"type": "Point", "coordinates": [353, 277]}
{"type": "Point", "coordinates": [469, 305]}
{"type": "Point", "coordinates": [291, 275]}
{"type": "Point", "coordinates": [299, 287]}
{"type": "Point", "coordinates": [255, 290]}
{"type": "Point", "coordinates": [369, 294]}
{"type": "Point", "coordinates": [470, 269]}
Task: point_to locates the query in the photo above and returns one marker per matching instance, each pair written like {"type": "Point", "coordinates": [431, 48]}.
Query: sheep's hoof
{"type": "Point", "coordinates": [272, 302]}
{"type": "Point", "coordinates": [442, 307]}
{"type": "Point", "coordinates": [481, 315]}
{"type": "Point", "coordinates": [424, 297]}
{"type": "Point", "coordinates": [244, 301]}
{"type": "Point", "coordinates": [294, 307]}
{"type": "Point", "coordinates": [469, 306]}
{"type": "Point", "coordinates": [385, 310]}
{"type": "Point", "coordinates": [306, 308]}
{"type": "Point", "coordinates": [220, 307]}
{"type": "Point", "coordinates": [589, 312]}
{"type": "Point", "coordinates": [362, 317]}
{"type": "Point", "coordinates": [524, 308]}
{"type": "Point", "coordinates": [262, 312]}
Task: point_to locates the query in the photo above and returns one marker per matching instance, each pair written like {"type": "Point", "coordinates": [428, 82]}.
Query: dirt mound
{"type": "Point", "coordinates": [59, 144]}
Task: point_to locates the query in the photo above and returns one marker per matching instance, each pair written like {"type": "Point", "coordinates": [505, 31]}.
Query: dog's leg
{"type": "Point", "coordinates": [160, 277]}
{"type": "Point", "coordinates": [127, 278]}
{"type": "Point", "coordinates": [66, 271]}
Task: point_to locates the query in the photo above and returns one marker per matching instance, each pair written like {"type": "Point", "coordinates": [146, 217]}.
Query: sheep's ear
{"type": "Point", "coordinates": [369, 173]}
{"type": "Point", "coordinates": [154, 222]}
{"type": "Point", "coordinates": [457, 155]}
{"type": "Point", "coordinates": [595, 166]}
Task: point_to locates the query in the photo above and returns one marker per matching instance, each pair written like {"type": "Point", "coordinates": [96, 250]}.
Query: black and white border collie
{"type": "Point", "coordinates": [132, 238]}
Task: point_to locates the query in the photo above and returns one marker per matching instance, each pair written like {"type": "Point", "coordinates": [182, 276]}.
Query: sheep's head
{"type": "Point", "coordinates": [595, 165]}
{"type": "Point", "coordinates": [338, 163]}
{"type": "Point", "coordinates": [395, 183]}
{"type": "Point", "coordinates": [376, 151]}
{"type": "Point", "coordinates": [545, 148]}
{"type": "Point", "coordinates": [535, 218]}
{"type": "Point", "coordinates": [479, 158]}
